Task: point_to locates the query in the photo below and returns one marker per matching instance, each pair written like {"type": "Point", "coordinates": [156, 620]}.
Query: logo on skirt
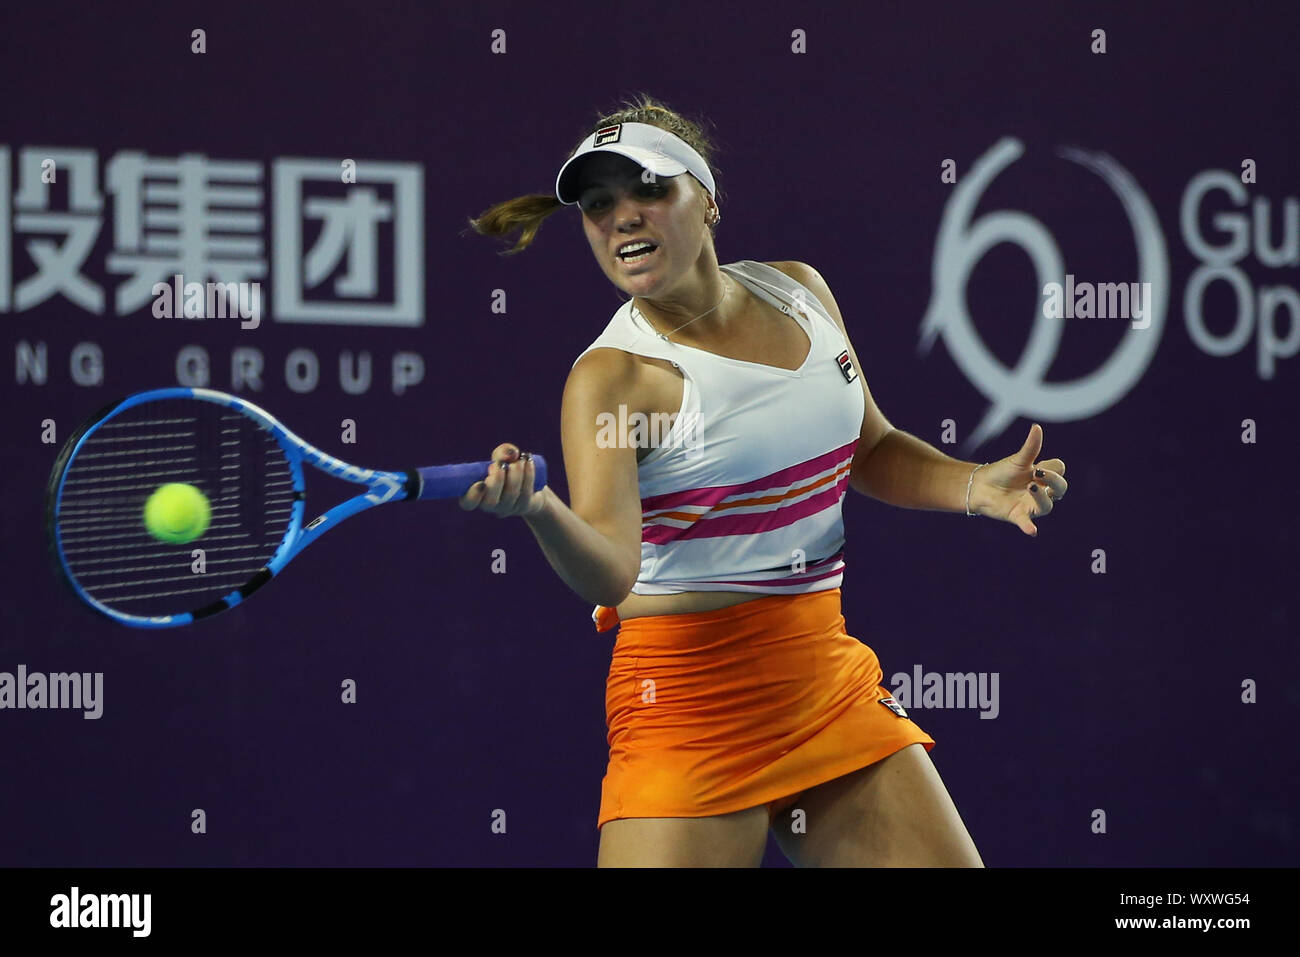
{"type": "Point", "coordinates": [893, 706]}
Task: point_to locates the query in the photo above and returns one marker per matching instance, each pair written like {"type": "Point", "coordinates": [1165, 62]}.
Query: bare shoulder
{"type": "Point", "coordinates": [812, 279]}
{"type": "Point", "coordinates": [603, 365]}
{"type": "Point", "coordinates": [643, 383]}
{"type": "Point", "coordinates": [607, 375]}
{"type": "Point", "coordinates": [803, 273]}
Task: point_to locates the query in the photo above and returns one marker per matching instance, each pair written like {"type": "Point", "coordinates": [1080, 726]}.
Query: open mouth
{"type": "Point", "coordinates": [638, 253]}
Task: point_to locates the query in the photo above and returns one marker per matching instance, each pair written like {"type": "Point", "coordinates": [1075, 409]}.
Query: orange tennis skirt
{"type": "Point", "coordinates": [718, 711]}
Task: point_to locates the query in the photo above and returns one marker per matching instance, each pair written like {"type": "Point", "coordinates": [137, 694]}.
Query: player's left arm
{"type": "Point", "coordinates": [874, 424]}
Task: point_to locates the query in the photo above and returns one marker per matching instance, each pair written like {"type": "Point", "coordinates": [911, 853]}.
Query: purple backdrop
{"type": "Point", "coordinates": [1161, 692]}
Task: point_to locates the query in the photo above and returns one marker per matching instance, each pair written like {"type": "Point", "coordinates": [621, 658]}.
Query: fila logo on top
{"type": "Point", "coordinates": [609, 134]}
{"type": "Point", "coordinates": [846, 366]}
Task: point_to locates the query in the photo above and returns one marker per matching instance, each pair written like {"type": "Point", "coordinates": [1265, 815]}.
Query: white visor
{"type": "Point", "coordinates": [653, 148]}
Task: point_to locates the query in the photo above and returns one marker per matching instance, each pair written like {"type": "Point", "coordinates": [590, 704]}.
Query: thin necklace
{"type": "Point", "coordinates": [664, 335]}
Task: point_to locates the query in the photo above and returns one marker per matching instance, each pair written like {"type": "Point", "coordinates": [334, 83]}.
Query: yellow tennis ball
{"type": "Point", "coordinates": [177, 513]}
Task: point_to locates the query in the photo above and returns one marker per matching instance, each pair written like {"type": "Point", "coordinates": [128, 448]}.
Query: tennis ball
{"type": "Point", "coordinates": [177, 513]}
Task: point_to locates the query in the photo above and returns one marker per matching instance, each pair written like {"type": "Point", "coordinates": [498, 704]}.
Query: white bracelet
{"type": "Point", "coordinates": [969, 482]}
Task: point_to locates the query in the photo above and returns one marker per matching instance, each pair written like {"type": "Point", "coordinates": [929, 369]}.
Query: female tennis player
{"type": "Point", "coordinates": [736, 700]}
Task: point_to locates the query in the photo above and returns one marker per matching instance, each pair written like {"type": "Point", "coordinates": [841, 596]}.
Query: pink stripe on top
{"type": "Point", "coordinates": [790, 475]}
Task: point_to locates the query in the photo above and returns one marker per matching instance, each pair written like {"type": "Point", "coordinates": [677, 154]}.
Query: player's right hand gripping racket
{"type": "Point", "coordinates": [250, 469]}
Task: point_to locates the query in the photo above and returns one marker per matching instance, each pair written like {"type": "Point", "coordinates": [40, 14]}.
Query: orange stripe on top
{"type": "Point", "coordinates": [757, 500]}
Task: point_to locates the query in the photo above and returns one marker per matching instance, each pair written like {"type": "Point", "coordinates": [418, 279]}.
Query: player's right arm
{"type": "Point", "coordinates": [594, 543]}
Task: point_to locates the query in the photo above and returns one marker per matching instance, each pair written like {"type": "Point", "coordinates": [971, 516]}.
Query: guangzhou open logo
{"type": "Point", "coordinates": [1021, 391]}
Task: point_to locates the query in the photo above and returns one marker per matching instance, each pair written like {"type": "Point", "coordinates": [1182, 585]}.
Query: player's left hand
{"type": "Point", "coordinates": [1017, 489]}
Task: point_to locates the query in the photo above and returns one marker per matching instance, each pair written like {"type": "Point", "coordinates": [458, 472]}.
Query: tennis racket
{"type": "Point", "coordinates": [249, 467]}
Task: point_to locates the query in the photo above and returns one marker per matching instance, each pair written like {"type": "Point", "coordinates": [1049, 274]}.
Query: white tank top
{"type": "Point", "coordinates": [744, 491]}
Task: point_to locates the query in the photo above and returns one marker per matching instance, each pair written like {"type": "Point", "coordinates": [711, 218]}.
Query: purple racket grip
{"type": "Point", "coordinates": [453, 481]}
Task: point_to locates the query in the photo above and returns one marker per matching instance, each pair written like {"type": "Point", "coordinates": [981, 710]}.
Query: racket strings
{"type": "Point", "coordinates": [236, 464]}
{"type": "Point", "coordinates": [117, 528]}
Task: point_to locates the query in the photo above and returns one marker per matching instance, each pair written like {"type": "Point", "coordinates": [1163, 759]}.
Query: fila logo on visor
{"type": "Point", "coordinates": [846, 369]}
{"type": "Point", "coordinates": [609, 134]}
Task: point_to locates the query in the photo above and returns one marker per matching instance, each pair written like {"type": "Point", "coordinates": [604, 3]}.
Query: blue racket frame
{"type": "Point", "coordinates": [423, 484]}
